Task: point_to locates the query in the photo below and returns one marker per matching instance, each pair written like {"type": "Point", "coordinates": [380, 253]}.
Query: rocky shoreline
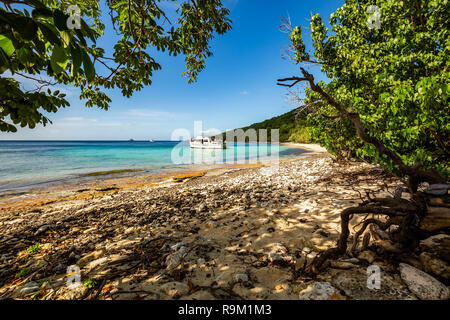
{"type": "Point", "coordinates": [233, 233]}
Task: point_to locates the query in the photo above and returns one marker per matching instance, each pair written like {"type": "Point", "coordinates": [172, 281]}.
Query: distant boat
{"type": "Point", "coordinates": [202, 142]}
{"type": "Point", "coordinates": [151, 140]}
{"type": "Point", "coordinates": [131, 140]}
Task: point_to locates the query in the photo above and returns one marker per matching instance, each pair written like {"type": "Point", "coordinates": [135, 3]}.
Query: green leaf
{"type": "Point", "coordinates": [81, 37]}
{"type": "Point", "coordinates": [50, 34]}
{"type": "Point", "coordinates": [89, 69]}
{"type": "Point", "coordinates": [65, 36]}
{"type": "Point", "coordinates": [41, 12]}
{"type": "Point", "coordinates": [23, 54]}
{"type": "Point", "coordinates": [75, 53]}
{"type": "Point", "coordinates": [87, 30]}
{"type": "Point", "coordinates": [394, 109]}
{"type": "Point", "coordinates": [7, 45]}
{"type": "Point", "coordinates": [26, 27]}
{"type": "Point", "coordinates": [60, 19]}
{"type": "Point", "coordinates": [59, 59]}
{"type": "Point", "coordinates": [4, 63]}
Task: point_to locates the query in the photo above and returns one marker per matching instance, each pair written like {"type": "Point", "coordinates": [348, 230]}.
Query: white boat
{"type": "Point", "coordinates": [202, 142]}
{"type": "Point", "coordinates": [151, 140]}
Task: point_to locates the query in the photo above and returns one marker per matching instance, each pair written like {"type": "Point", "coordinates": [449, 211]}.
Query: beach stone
{"type": "Point", "coordinates": [413, 261]}
{"type": "Point", "coordinates": [439, 245]}
{"type": "Point", "coordinates": [97, 262]}
{"type": "Point", "coordinates": [175, 289]}
{"type": "Point", "coordinates": [90, 256]}
{"type": "Point", "coordinates": [226, 278]}
{"type": "Point", "coordinates": [121, 244]}
{"type": "Point", "coordinates": [37, 264]}
{"type": "Point", "coordinates": [178, 245]}
{"type": "Point", "coordinates": [436, 201]}
{"type": "Point", "coordinates": [173, 260]}
{"type": "Point", "coordinates": [46, 246]}
{"type": "Point", "coordinates": [300, 263]}
{"type": "Point", "coordinates": [310, 257]}
{"type": "Point", "coordinates": [130, 230]}
{"type": "Point", "coordinates": [241, 277]}
{"type": "Point", "coordinates": [342, 265]}
{"type": "Point", "coordinates": [278, 254]}
{"type": "Point", "coordinates": [320, 291]}
{"type": "Point", "coordinates": [437, 218]}
{"type": "Point", "coordinates": [422, 284]}
{"type": "Point", "coordinates": [75, 230]}
{"type": "Point", "coordinates": [434, 265]}
{"type": "Point", "coordinates": [65, 293]}
{"type": "Point", "coordinates": [19, 220]}
{"type": "Point", "coordinates": [211, 224]}
{"type": "Point", "coordinates": [368, 256]}
{"type": "Point", "coordinates": [220, 216]}
{"type": "Point", "coordinates": [388, 246]}
{"type": "Point", "coordinates": [269, 213]}
{"type": "Point", "coordinates": [200, 295]}
{"type": "Point", "coordinates": [42, 229]}
{"type": "Point", "coordinates": [45, 286]}
{"type": "Point", "coordinates": [351, 260]}
{"type": "Point", "coordinates": [28, 288]}
{"type": "Point", "coordinates": [437, 189]}
{"type": "Point", "coordinates": [354, 284]}
{"type": "Point", "coordinates": [434, 241]}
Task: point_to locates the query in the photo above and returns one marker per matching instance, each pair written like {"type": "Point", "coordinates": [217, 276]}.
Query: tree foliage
{"type": "Point", "coordinates": [396, 78]}
{"type": "Point", "coordinates": [291, 127]}
{"type": "Point", "coordinates": [36, 43]}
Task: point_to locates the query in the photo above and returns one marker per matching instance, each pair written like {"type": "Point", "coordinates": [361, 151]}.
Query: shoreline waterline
{"type": "Point", "coordinates": [30, 164]}
{"type": "Point", "coordinates": [64, 189]}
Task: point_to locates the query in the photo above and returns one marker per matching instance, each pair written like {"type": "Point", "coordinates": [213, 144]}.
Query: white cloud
{"type": "Point", "coordinates": [113, 124]}
{"type": "Point", "coordinates": [244, 92]}
{"type": "Point", "coordinates": [146, 113]}
{"type": "Point", "coordinates": [78, 119]}
{"type": "Point", "coordinates": [72, 119]}
{"type": "Point", "coordinates": [212, 131]}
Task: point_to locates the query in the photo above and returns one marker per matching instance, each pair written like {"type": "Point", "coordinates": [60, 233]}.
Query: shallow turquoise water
{"type": "Point", "coordinates": [26, 163]}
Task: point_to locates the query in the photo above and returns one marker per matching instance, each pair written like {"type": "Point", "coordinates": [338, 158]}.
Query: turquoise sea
{"type": "Point", "coordinates": [30, 163]}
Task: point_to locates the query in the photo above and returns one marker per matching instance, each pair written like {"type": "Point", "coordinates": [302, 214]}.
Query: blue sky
{"type": "Point", "coordinates": [237, 88]}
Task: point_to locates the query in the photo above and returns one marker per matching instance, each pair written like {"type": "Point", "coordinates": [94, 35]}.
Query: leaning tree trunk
{"type": "Point", "coordinates": [402, 217]}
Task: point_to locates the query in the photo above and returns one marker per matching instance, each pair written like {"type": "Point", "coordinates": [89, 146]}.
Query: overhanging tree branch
{"type": "Point", "coordinates": [415, 174]}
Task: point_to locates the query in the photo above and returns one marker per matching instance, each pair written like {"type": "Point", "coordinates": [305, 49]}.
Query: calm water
{"type": "Point", "coordinates": [27, 163]}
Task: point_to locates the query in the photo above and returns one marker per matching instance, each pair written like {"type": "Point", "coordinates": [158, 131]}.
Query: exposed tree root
{"type": "Point", "coordinates": [396, 218]}
{"type": "Point", "coordinates": [401, 217]}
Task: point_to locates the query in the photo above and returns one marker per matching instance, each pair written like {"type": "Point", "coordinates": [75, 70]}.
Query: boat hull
{"type": "Point", "coordinates": [207, 146]}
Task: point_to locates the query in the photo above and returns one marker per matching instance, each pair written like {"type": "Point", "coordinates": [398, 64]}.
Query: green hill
{"type": "Point", "coordinates": [292, 128]}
